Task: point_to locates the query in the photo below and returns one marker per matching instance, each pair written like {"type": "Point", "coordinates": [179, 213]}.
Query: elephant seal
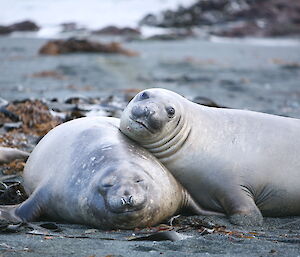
{"type": "Point", "coordinates": [86, 171]}
{"type": "Point", "coordinates": [241, 163]}
{"type": "Point", "coordinates": [8, 154]}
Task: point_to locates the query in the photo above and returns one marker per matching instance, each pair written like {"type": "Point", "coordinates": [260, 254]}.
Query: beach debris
{"type": "Point", "coordinates": [48, 74]}
{"type": "Point", "coordinates": [35, 116]}
{"type": "Point", "coordinates": [22, 124]}
{"type": "Point", "coordinates": [26, 25]}
{"type": "Point", "coordinates": [9, 114]}
{"type": "Point", "coordinates": [10, 227]}
{"type": "Point", "coordinates": [73, 45]}
{"type": "Point", "coordinates": [11, 192]}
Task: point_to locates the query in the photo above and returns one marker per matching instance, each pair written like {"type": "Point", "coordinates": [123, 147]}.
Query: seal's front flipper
{"type": "Point", "coordinates": [249, 218]}
{"type": "Point", "coordinates": [243, 211]}
{"type": "Point", "coordinates": [9, 154]}
{"type": "Point", "coordinates": [29, 210]}
{"type": "Point", "coordinates": [192, 208]}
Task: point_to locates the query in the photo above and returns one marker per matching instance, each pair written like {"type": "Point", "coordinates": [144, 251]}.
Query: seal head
{"type": "Point", "coordinates": [158, 121]}
{"type": "Point", "coordinates": [151, 115]}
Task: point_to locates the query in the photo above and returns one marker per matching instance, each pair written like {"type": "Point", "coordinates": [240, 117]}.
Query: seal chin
{"type": "Point", "coordinates": [135, 127]}
{"type": "Point", "coordinates": [142, 124]}
{"type": "Point", "coordinates": [127, 210]}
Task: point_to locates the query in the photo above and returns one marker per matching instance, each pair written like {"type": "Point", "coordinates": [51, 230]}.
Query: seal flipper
{"type": "Point", "coordinates": [30, 210]}
{"type": "Point", "coordinates": [242, 210]}
{"type": "Point", "coordinates": [192, 208]}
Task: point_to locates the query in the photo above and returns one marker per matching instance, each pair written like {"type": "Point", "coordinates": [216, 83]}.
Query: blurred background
{"type": "Point", "coordinates": [236, 53]}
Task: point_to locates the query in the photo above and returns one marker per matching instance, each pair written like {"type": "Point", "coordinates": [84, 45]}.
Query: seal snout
{"type": "Point", "coordinates": [138, 111]}
{"type": "Point", "coordinates": [125, 196]}
{"type": "Point", "coordinates": [127, 200]}
{"type": "Point", "coordinates": [126, 203]}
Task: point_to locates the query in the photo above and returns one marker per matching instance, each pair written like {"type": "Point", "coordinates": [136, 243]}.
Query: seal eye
{"type": "Point", "coordinates": [171, 112]}
{"type": "Point", "coordinates": [107, 185]}
{"type": "Point", "coordinates": [139, 180]}
{"type": "Point", "coordinates": [144, 95]}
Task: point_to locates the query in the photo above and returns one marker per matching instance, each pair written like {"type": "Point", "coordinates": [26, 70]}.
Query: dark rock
{"type": "Point", "coordinates": [5, 30]}
{"type": "Point", "coordinates": [24, 26]}
{"type": "Point", "coordinates": [20, 26]}
{"type": "Point", "coordinates": [72, 45]}
{"type": "Point", "coordinates": [150, 20]}
{"type": "Point", "coordinates": [202, 12]}
{"type": "Point", "coordinates": [241, 30]}
{"type": "Point", "coordinates": [258, 17]}
{"type": "Point", "coordinates": [115, 31]}
{"type": "Point", "coordinates": [174, 35]}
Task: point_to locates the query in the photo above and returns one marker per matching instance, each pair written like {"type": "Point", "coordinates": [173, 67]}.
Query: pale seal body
{"type": "Point", "coordinates": [237, 162]}
{"type": "Point", "coordinates": [86, 171]}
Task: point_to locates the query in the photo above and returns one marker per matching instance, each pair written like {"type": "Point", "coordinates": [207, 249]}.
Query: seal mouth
{"type": "Point", "coordinates": [142, 124]}
{"type": "Point", "coordinates": [126, 211]}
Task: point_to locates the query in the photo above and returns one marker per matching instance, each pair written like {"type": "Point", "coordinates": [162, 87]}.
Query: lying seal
{"type": "Point", "coordinates": [8, 154]}
{"type": "Point", "coordinates": [86, 171]}
{"type": "Point", "coordinates": [237, 162]}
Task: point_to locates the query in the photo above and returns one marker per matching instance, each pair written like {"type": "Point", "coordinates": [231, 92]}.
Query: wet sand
{"type": "Point", "coordinates": [278, 237]}
{"type": "Point", "coordinates": [263, 76]}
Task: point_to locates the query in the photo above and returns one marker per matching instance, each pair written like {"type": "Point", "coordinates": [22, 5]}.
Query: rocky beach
{"type": "Point", "coordinates": [235, 54]}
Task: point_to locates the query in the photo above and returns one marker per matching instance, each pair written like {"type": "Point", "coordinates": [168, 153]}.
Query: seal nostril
{"type": "Point", "coordinates": [127, 201]}
{"type": "Point", "coordinates": [130, 200]}
{"type": "Point", "coordinates": [123, 201]}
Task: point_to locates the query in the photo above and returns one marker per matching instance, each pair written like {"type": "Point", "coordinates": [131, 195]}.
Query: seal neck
{"type": "Point", "coordinates": [165, 147]}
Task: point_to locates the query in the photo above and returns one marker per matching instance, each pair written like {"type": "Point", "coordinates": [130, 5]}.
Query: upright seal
{"type": "Point", "coordinates": [237, 162]}
{"type": "Point", "coordinates": [86, 171]}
